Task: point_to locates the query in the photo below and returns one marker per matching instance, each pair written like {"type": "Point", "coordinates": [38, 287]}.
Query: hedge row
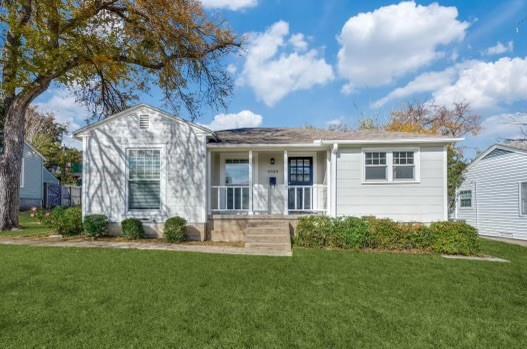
{"type": "Point", "coordinates": [68, 222]}
{"type": "Point", "coordinates": [370, 232]}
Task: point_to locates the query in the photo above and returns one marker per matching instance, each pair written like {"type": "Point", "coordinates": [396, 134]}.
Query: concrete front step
{"type": "Point", "coordinates": [275, 238]}
{"type": "Point", "coordinates": [267, 230]}
{"type": "Point", "coordinates": [269, 245]}
{"type": "Point", "coordinates": [267, 223]}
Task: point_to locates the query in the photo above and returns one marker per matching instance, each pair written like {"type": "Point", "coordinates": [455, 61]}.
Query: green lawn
{"type": "Point", "coordinates": [30, 227]}
{"type": "Point", "coordinates": [65, 297]}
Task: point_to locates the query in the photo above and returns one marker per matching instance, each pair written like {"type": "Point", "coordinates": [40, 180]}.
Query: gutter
{"type": "Point", "coordinates": [391, 141]}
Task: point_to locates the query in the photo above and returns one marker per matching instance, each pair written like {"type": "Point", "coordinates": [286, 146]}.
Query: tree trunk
{"type": "Point", "coordinates": [11, 162]}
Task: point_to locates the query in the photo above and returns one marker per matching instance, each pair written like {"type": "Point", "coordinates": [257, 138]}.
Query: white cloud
{"type": "Point", "coordinates": [233, 5]}
{"type": "Point", "coordinates": [298, 41]}
{"type": "Point", "coordinates": [427, 82]}
{"type": "Point", "coordinates": [245, 118]}
{"type": "Point", "coordinates": [273, 72]}
{"type": "Point", "coordinates": [232, 69]}
{"type": "Point", "coordinates": [486, 86]}
{"type": "Point", "coordinates": [499, 49]}
{"type": "Point", "coordinates": [503, 126]}
{"type": "Point", "coordinates": [61, 102]}
{"type": "Point", "coordinates": [378, 47]}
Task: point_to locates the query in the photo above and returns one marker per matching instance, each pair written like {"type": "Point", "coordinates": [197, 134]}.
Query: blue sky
{"type": "Point", "coordinates": [319, 62]}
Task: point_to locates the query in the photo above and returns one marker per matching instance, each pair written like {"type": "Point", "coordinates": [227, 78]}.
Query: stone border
{"type": "Point", "coordinates": [150, 246]}
{"type": "Point", "coordinates": [472, 258]}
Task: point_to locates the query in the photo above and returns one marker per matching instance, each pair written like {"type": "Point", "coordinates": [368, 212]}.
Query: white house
{"type": "Point", "coordinates": [493, 195]}
{"type": "Point", "coordinates": [145, 163]}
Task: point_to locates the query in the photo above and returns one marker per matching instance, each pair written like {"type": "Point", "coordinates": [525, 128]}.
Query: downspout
{"type": "Point", "coordinates": [333, 183]}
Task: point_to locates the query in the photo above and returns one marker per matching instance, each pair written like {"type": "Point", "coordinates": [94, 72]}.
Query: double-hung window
{"type": "Point", "coordinates": [403, 165]}
{"type": "Point", "coordinates": [465, 198]}
{"type": "Point", "coordinates": [523, 198]}
{"type": "Point", "coordinates": [144, 179]}
{"type": "Point", "coordinates": [376, 166]}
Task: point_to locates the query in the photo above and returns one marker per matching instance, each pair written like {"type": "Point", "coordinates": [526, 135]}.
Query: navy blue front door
{"type": "Point", "coordinates": [300, 173]}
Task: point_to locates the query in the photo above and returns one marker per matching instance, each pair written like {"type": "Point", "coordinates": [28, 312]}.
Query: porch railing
{"type": "Point", "coordinates": [307, 198]}
{"type": "Point", "coordinates": [269, 199]}
{"type": "Point", "coordinates": [230, 198]}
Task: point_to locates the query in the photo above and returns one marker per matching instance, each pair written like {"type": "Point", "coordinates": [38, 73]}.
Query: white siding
{"type": "Point", "coordinates": [183, 167]}
{"type": "Point", "coordinates": [495, 193]}
{"type": "Point", "coordinates": [421, 202]}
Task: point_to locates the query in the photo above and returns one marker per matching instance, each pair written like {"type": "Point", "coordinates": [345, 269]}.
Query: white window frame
{"type": "Point", "coordinates": [522, 214]}
{"type": "Point", "coordinates": [389, 165]}
{"type": "Point", "coordinates": [156, 214]}
{"type": "Point", "coordinates": [461, 207]}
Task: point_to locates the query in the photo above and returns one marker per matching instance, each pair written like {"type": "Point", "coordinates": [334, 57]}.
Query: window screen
{"type": "Point", "coordinates": [465, 198]}
{"type": "Point", "coordinates": [375, 166]}
{"type": "Point", "coordinates": [144, 179]}
{"type": "Point", "coordinates": [403, 165]}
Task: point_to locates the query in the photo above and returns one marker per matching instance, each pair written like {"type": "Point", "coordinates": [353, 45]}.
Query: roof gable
{"type": "Point", "coordinates": [495, 151]}
{"type": "Point", "coordinates": [77, 134]}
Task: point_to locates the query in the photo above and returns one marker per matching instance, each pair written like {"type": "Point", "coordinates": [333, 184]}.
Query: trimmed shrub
{"type": "Point", "coordinates": [349, 232]}
{"type": "Point", "coordinates": [132, 229]}
{"type": "Point", "coordinates": [95, 225]}
{"type": "Point", "coordinates": [455, 238]}
{"type": "Point", "coordinates": [383, 233]}
{"type": "Point", "coordinates": [313, 231]}
{"type": "Point", "coordinates": [175, 229]}
{"type": "Point", "coordinates": [66, 221]}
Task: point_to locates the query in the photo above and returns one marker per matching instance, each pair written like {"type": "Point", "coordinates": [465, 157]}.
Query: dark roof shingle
{"type": "Point", "coordinates": [305, 135]}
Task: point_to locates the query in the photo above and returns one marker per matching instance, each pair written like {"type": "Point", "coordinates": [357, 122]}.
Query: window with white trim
{"type": "Point", "coordinates": [523, 198]}
{"type": "Point", "coordinates": [144, 179]}
{"type": "Point", "coordinates": [375, 166]}
{"type": "Point", "coordinates": [403, 165]}
{"type": "Point", "coordinates": [237, 172]}
{"type": "Point", "coordinates": [465, 198]}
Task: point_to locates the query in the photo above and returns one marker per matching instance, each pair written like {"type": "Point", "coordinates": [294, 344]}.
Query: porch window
{"type": "Point", "coordinates": [144, 179]}
{"type": "Point", "coordinates": [237, 172]}
{"type": "Point", "coordinates": [465, 198]}
{"type": "Point", "coordinates": [375, 166]}
{"type": "Point", "coordinates": [403, 165]}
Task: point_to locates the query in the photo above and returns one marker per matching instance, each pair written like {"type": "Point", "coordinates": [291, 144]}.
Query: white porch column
{"type": "Point", "coordinates": [333, 180]}
{"type": "Point", "coordinates": [251, 182]}
{"type": "Point", "coordinates": [209, 182]}
{"type": "Point", "coordinates": [286, 184]}
{"type": "Point", "coordinates": [328, 182]}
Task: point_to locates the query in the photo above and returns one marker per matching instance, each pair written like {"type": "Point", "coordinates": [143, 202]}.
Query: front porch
{"type": "Point", "coordinates": [268, 182]}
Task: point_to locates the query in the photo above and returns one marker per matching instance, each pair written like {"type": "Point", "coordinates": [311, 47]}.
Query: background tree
{"type": "Point", "coordinates": [454, 121]}
{"type": "Point", "coordinates": [46, 134]}
{"type": "Point", "coordinates": [105, 51]}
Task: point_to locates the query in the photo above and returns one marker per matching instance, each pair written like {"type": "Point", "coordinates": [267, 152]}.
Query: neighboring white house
{"type": "Point", "coordinates": [493, 195]}
{"type": "Point", "coordinates": [147, 164]}
{"type": "Point", "coordinates": [33, 178]}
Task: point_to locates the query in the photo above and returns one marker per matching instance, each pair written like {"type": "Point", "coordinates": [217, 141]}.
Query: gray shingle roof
{"type": "Point", "coordinates": [305, 135]}
{"type": "Point", "coordinates": [520, 144]}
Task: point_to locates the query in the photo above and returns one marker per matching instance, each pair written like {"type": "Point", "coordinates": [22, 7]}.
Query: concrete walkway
{"type": "Point", "coordinates": [507, 241]}
{"type": "Point", "coordinates": [150, 246]}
